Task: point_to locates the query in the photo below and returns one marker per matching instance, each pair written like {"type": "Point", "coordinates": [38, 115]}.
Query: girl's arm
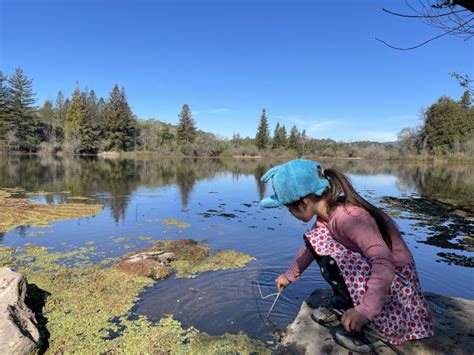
{"type": "Point", "coordinates": [362, 229]}
{"type": "Point", "coordinates": [301, 261]}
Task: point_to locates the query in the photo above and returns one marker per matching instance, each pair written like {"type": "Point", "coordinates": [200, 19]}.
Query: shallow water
{"type": "Point", "coordinates": [219, 199]}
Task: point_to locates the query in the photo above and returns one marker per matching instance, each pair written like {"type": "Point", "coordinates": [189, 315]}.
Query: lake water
{"type": "Point", "coordinates": [432, 204]}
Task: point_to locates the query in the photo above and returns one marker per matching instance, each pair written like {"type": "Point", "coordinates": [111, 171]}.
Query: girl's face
{"type": "Point", "coordinates": [303, 212]}
{"type": "Point", "coordinates": [309, 208]}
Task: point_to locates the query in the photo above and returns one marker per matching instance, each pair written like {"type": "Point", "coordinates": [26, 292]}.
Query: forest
{"type": "Point", "coordinates": [87, 124]}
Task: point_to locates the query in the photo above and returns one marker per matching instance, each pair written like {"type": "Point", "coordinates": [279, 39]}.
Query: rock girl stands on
{"type": "Point", "coordinates": [358, 247]}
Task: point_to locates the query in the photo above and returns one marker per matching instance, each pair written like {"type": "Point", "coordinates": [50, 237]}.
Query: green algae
{"type": "Point", "coordinates": [88, 307]}
{"type": "Point", "coordinates": [176, 222]}
{"type": "Point", "coordinates": [16, 212]}
{"type": "Point", "coordinates": [121, 239]}
{"type": "Point", "coordinates": [222, 260]}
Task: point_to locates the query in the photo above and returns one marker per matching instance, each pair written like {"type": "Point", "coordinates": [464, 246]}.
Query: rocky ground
{"type": "Point", "coordinates": [452, 319]}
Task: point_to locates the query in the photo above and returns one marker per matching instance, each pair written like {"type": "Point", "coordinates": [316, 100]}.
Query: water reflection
{"type": "Point", "coordinates": [112, 182]}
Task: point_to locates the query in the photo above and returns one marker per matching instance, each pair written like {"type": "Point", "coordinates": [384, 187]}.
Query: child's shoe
{"type": "Point", "coordinates": [358, 342]}
{"type": "Point", "coordinates": [331, 310]}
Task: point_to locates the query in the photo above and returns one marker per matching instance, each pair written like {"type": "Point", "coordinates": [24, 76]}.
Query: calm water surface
{"type": "Point", "coordinates": [219, 199]}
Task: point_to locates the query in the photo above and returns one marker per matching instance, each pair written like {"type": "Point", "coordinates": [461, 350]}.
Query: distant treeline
{"type": "Point", "coordinates": [87, 124]}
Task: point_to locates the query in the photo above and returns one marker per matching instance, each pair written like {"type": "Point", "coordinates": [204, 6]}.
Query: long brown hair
{"type": "Point", "coordinates": [342, 191]}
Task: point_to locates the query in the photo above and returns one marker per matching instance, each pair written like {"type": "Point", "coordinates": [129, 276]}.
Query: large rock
{"type": "Point", "coordinates": [147, 262]}
{"type": "Point", "coordinates": [19, 332]}
{"type": "Point", "coordinates": [453, 321]}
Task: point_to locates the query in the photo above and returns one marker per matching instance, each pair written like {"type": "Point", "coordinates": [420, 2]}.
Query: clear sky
{"type": "Point", "coordinates": [311, 63]}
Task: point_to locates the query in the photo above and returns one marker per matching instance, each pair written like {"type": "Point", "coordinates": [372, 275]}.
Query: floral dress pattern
{"type": "Point", "coordinates": [405, 314]}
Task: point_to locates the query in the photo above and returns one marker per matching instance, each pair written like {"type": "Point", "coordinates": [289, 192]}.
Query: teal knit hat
{"type": "Point", "coordinates": [292, 181]}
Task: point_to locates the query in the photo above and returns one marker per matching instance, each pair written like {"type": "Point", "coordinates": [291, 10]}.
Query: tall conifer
{"type": "Point", "coordinates": [186, 130]}
{"type": "Point", "coordinates": [20, 104]}
{"type": "Point", "coordinates": [263, 135]}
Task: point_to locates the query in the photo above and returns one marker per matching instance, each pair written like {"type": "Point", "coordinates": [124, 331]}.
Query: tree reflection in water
{"type": "Point", "coordinates": [445, 189]}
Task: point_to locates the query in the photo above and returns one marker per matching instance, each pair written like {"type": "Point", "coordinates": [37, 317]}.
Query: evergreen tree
{"type": "Point", "coordinates": [121, 127]}
{"type": "Point", "coordinates": [46, 121]}
{"type": "Point", "coordinates": [303, 141]}
{"type": "Point", "coordinates": [74, 118]}
{"type": "Point", "coordinates": [75, 112]}
{"type": "Point", "coordinates": [293, 140]}
{"type": "Point", "coordinates": [186, 130]}
{"type": "Point", "coordinates": [22, 119]}
{"type": "Point", "coordinates": [283, 138]}
{"type": "Point", "coordinates": [4, 117]}
{"type": "Point", "coordinates": [60, 111]}
{"type": "Point", "coordinates": [276, 137]}
{"type": "Point", "coordinates": [263, 135]}
{"type": "Point", "coordinates": [89, 130]}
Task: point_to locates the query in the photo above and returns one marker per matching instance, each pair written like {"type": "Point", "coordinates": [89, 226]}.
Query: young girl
{"type": "Point", "coordinates": [360, 252]}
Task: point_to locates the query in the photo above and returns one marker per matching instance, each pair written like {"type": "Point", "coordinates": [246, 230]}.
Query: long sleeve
{"type": "Point", "coordinates": [362, 230]}
{"type": "Point", "coordinates": [301, 261]}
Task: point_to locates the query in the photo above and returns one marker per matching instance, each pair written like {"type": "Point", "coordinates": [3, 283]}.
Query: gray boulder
{"type": "Point", "coordinates": [452, 317]}
{"type": "Point", "coordinates": [19, 332]}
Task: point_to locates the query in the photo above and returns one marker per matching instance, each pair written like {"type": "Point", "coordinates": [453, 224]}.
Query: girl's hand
{"type": "Point", "coordinates": [281, 282]}
{"type": "Point", "coordinates": [352, 320]}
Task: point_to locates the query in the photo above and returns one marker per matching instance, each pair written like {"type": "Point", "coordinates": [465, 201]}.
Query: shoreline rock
{"type": "Point", "coordinates": [452, 317]}
{"type": "Point", "coordinates": [19, 333]}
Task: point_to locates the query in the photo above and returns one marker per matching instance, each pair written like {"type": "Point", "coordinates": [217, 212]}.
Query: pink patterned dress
{"type": "Point", "coordinates": [405, 314]}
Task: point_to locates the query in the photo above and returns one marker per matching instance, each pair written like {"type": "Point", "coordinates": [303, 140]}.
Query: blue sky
{"type": "Point", "coordinates": [311, 63]}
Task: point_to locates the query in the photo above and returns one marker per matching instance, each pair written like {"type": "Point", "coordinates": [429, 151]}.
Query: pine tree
{"type": "Point", "coordinates": [283, 138]}
{"type": "Point", "coordinates": [46, 121]}
{"type": "Point", "coordinates": [263, 135]}
{"type": "Point", "coordinates": [75, 112]}
{"type": "Point", "coordinates": [186, 130]}
{"type": "Point", "coordinates": [121, 128]}
{"type": "Point", "coordinates": [89, 130]}
{"type": "Point", "coordinates": [276, 137]}
{"type": "Point", "coordinates": [22, 119]}
{"type": "Point", "coordinates": [293, 140]}
{"type": "Point", "coordinates": [60, 111]}
{"type": "Point", "coordinates": [74, 117]}
{"type": "Point", "coordinates": [4, 117]}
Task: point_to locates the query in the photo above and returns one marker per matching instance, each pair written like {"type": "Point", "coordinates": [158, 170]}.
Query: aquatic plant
{"type": "Point", "coordinates": [19, 211]}
{"type": "Point", "coordinates": [176, 222]}
{"type": "Point", "coordinates": [88, 309]}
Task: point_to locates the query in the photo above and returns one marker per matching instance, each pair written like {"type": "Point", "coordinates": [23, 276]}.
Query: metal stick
{"type": "Point", "coordinates": [273, 305]}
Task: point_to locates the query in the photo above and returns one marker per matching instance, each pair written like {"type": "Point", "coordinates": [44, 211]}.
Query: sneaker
{"type": "Point", "coordinates": [358, 342]}
{"type": "Point", "coordinates": [331, 310]}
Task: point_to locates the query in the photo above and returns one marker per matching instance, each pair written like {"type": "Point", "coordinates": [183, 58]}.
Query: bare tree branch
{"type": "Point", "coordinates": [425, 42]}
{"type": "Point", "coordinates": [422, 16]}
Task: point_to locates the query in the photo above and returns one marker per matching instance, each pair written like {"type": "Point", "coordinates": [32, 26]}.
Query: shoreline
{"type": "Point", "coordinates": [141, 154]}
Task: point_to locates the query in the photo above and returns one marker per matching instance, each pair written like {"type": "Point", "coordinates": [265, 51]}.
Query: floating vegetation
{"type": "Point", "coordinates": [215, 213]}
{"type": "Point", "coordinates": [88, 307]}
{"type": "Point", "coordinates": [459, 260]}
{"type": "Point", "coordinates": [143, 237]}
{"type": "Point", "coordinates": [443, 224]}
{"type": "Point", "coordinates": [16, 212]}
{"type": "Point", "coordinates": [176, 222]}
{"type": "Point", "coordinates": [78, 198]}
{"type": "Point", "coordinates": [222, 260]}
{"type": "Point", "coordinates": [121, 239]}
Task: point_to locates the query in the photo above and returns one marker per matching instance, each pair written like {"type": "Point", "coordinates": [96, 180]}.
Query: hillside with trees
{"type": "Point", "coordinates": [87, 124]}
